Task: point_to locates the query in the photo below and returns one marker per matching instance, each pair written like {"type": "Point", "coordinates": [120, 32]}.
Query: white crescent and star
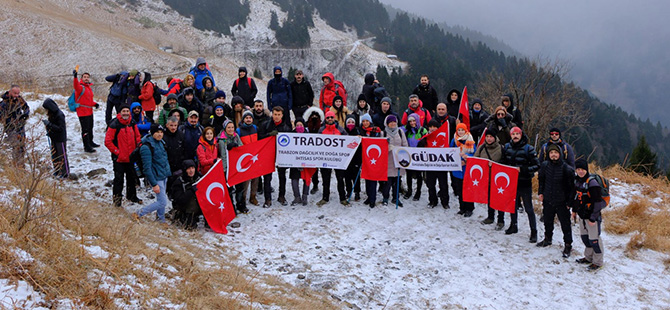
{"type": "Point", "coordinates": [373, 147]}
{"type": "Point", "coordinates": [212, 187]}
{"type": "Point", "coordinates": [503, 175]}
{"type": "Point", "coordinates": [441, 134]}
{"type": "Point", "coordinates": [481, 174]}
{"type": "Point", "coordinates": [239, 162]}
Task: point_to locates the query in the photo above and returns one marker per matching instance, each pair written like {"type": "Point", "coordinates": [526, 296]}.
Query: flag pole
{"type": "Point", "coordinates": [354, 185]}
{"type": "Point", "coordinates": [397, 190]}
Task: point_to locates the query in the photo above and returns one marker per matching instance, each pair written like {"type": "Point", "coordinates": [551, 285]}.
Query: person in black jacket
{"type": "Point", "coordinates": [174, 144]}
{"type": "Point", "coordinates": [520, 154]}
{"type": "Point", "coordinates": [555, 187]}
{"type": "Point", "coordinates": [245, 87]}
{"type": "Point", "coordinates": [190, 102]}
{"type": "Point", "coordinates": [14, 112]}
{"type": "Point", "coordinates": [508, 103]}
{"type": "Point", "coordinates": [453, 102]}
{"type": "Point", "coordinates": [185, 203]}
{"type": "Point", "coordinates": [368, 92]}
{"type": "Point", "coordinates": [118, 93]}
{"type": "Point", "coordinates": [57, 133]}
{"type": "Point", "coordinates": [353, 170]}
{"type": "Point", "coordinates": [588, 203]}
{"type": "Point", "coordinates": [478, 118]}
{"type": "Point", "coordinates": [303, 94]}
{"type": "Point", "coordinates": [272, 128]}
{"type": "Point", "coordinates": [427, 94]}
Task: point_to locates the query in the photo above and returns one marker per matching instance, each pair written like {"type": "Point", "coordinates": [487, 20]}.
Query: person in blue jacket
{"type": "Point", "coordinates": [142, 121]}
{"type": "Point", "coordinates": [279, 94]}
{"type": "Point", "coordinates": [156, 169]}
{"type": "Point", "coordinates": [464, 141]}
{"type": "Point", "coordinates": [199, 72]}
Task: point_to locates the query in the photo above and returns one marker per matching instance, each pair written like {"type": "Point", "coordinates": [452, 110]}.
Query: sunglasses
{"type": "Point", "coordinates": [329, 117]}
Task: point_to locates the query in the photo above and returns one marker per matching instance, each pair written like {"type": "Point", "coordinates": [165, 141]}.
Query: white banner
{"type": "Point", "coordinates": [427, 158]}
{"type": "Point", "coordinates": [298, 150]}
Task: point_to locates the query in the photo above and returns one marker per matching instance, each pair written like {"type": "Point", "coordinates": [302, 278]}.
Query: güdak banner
{"type": "Point", "coordinates": [303, 150]}
{"type": "Point", "coordinates": [427, 159]}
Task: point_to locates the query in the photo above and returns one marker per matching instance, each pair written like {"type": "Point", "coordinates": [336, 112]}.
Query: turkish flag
{"type": "Point", "coordinates": [439, 137]}
{"type": "Point", "coordinates": [375, 159]}
{"type": "Point", "coordinates": [464, 108]}
{"type": "Point", "coordinates": [476, 180]}
{"type": "Point", "coordinates": [482, 139]}
{"type": "Point", "coordinates": [306, 174]}
{"type": "Point", "coordinates": [503, 187]}
{"type": "Point", "coordinates": [251, 160]}
{"type": "Point", "coordinates": [213, 198]}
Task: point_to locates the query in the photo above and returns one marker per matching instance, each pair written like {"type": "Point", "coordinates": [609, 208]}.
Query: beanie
{"type": "Point", "coordinates": [172, 96]}
{"type": "Point", "coordinates": [361, 97]}
{"type": "Point", "coordinates": [515, 129]}
{"type": "Point", "coordinates": [188, 164]}
{"type": "Point", "coordinates": [124, 105]}
{"type": "Point", "coordinates": [330, 114]}
{"type": "Point", "coordinates": [493, 131]}
{"type": "Point", "coordinates": [390, 119]}
{"type": "Point", "coordinates": [237, 100]}
{"type": "Point", "coordinates": [220, 94]}
{"type": "Point", "coordinates": [247, 113]}
{"type": "Point", "coordinates": [366, 117]}
{"type": "Point", "coordinates": [155, 127]}
{"type": "Point", "coordinates": [553, 147]}
{"type": "Point", "coordinates": [581, 163]}
{"type": "Point", "coordinates": [462, 126]}
{"type": "Point", "coordinates": [386, 99]}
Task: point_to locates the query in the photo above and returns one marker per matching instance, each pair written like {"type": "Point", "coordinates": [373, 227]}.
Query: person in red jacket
{"type": "Point", "coordinates": [416, 106]}
{"type": "Point", "coordinates": [85, 109]}
{"type": "Point", "coordinates": [147, 96]}
{"type": "Point", "coordinates": [331, 88]}
{"type": "Point", "coordinates": [207, 151]}
{"type": "Point", "coordinates": [331, 127]}
{"type": "Point", "coordinates": [121, 139]}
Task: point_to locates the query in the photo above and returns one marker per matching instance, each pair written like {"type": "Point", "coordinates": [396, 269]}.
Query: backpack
{"type": "Point", "coordinates": [545, 154]}
{"type": "Point", "coordinates": [72, 100]}
{"type": "Point", "coordinates": [157, 94]}
{"type": "Point", "coordinates": [339, 85]}
{"type": "Point", "coordinates": [604, 186]}
{"type": "Point", "coordinates": [380, 92]}
{"type": "Point", "coordinates": [237, 82]}
{"type": "Point", "coordinates": [425, 113]}
{"type": "Point", "coordinates": [136, 159]}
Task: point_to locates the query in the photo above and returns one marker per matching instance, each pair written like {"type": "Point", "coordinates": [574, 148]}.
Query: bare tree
{"type": "Point", "coordinates": [539, 90]}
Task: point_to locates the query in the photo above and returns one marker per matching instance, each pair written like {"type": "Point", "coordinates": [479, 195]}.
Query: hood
{"type": "Point", "coordinates": [147, 77]}
{"type": "Point", "coordinates": [477, 100]}
{"type": "Point", "coordinates": [416, 117]}
{"type": "Point", "coordinates": [134, 105]}
{"type": "Point", "coordinates": [180, 112]}
{"type": "Point", "coordinates": [418, 108]}
{"type": "Point", "coordinates": [330, 76]}
{"type": "Point", "coordinates": [242, 69]}
{"type": "Point", "coordinates": [458, 101]}
{"type": "Point", "coordinates": [275, 70]}
{"type": "Point", "coordinates": [369, 79]}
{"type": "Point", "coordinates": [200, 61]}
{"type": "Point", "coordinates": [50, 105]}
{"type": "Point", "coordinates": [311, 111]}
{"type": "Point", "coordinates": [188, 164]}
{"type": "Point", "coordinates": [511, 101]}
{"type": "Point", "coordinates": [207, 78]}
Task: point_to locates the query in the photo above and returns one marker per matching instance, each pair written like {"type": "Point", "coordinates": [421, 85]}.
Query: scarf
{"type": "Point", "coordinates": [466, 143]}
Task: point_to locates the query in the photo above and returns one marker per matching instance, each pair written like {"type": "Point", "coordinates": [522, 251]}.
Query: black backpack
{"type": "Point", "coordinates": [157, 94]}
{"type": "Point", "coordinates": [136, 159]}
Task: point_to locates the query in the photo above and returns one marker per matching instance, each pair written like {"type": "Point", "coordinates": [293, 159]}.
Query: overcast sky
{"type": "Point", "coordinates": [629, 41]}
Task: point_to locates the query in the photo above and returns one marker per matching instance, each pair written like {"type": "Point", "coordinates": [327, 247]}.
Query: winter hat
{"type": "Point", "coordinates": [237, 100]}
{"type": "Point", "coordinates": [188, 90]}
{"type": "Point", "coordinates": [390, 119]}
{"type": "Point", "coordinates": [492, 131]}
{"type": "Point", "coordinates": [296, 121]}
{"type": "Point", "coordinates": [361, 97]}
{"type": "Point", "coordinates": [133, 72]}
{"type": "Point", "coordinates": [124, 106]}
{"type": "Point", "coordinates": [218, 105]}
{"type": "Point", "coordinates": [338, 97]}
{"type": "Point", "coordinates": [247, 113]}
{"type": "Point", "coordinates": [553, 147]}
{"type": "Point", "coordinates": [351, 118]}
{"type": "Point", "coordinates": [172, 96]}
{"type": "Point", "coordinates": [225, 123]}
{"type": "Point", "coordinates": [414, 116]}
{"type": "Point", "coordinates": [188, 164]}
{"type": "Point", "coordinates": [200, 61]}
{"type": "Point", "coordinates": [366, 117]}
{"type": "Point", "coordinates": [330, 114]}
{"type": "Point", "coordinates": [194, 112]}
{"type": "Point", "coordinates": [462, 126]}
{"type": "Point", "coordinates": [581, 163]}
{"type": "Point", "coordinates": [386, 99]}
{"type": "Point", "coordinates": [515, 129]}
{"type": "Point", "coordinates": [434, 123]}
{"type": "Point", "coordinates": [156, 127]}
{"type": "Point", "coordinates": [477, 100]}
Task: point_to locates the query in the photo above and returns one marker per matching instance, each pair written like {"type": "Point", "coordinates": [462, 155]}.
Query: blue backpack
{"type": "Point", "coordinates": [72, 100]}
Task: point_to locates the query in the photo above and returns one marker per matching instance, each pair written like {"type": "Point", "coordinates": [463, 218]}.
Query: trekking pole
{"type": "Point", "coordinates": [397, 190]}
{"type": "Point", "coordinates": [354, 185]}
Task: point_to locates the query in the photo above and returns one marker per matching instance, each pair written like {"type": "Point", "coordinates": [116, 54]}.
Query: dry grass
{"type": "Point", "coordinates": [648, 222]}
{"type": "Point", "coordinates": [652, 185]}
{"type": "Point", "coordinates": [147, 264]}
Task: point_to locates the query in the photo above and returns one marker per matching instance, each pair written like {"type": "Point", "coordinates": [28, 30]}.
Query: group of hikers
{"type": "Point", "coordinates": [179, 141]}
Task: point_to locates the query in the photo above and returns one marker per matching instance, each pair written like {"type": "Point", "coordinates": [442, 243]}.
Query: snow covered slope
{"type": "Point", "coordinates": [413, 257]}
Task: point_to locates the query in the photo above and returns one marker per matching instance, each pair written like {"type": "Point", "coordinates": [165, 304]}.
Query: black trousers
{"type": "Point", "coordinates": [492, 214]}
{"type": "Point", "coordinates": [86, 123]}
{"type": "Point", "coordinates": [267, 184]}
{"type": "Point", "coordinates": [391, 183]}
{"type": "Point", "coordinates": [458, 188]}
{"type": "Point", "coordinates": [550, 211]}
{"type": "Point", "coordinates": [59, 159]}
{"type": "Point", "coordinates": [339, 176]}
{"type": "Point", "coordinates": [525, 192]}
{"type": "Point", "coordinates": [418, 175]}
{"type": "Point", "coordinates": [432, 178]}
{"type": "Point", "coordinates": [122, 170]}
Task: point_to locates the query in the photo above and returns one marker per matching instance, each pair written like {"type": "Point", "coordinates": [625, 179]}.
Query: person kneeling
{"type": "Point", "coordinates": [185, 202]}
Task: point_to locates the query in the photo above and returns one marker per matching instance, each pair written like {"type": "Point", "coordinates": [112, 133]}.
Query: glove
{"type": "Point", "coordinates": [97, 105]}
{"type": "Point", "coordinates": [232, 145]}
{"type": "Point", "coordinates": [273, 133]}
{"type": "Point", "coordinates": [502, 122]}
{"type": "Point", "coordinates": [194, 188]}
{"type": "Point", "coordinates": [74, 73]}
{"type": "Point", "coordinates": [46, 122]}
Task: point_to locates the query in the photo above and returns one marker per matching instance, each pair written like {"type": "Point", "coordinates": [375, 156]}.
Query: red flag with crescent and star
{"type": "Point", "coordinates": [476, 180]}
{"type": "Point", "coordinates": [439, 137]}
{"type": "Point", "coordinates": [375, 159]}
{"type": "Point", "coordinates": [213, 198]}
{"type": "Point", "coordinates": [251, 160]}
{"type": "Point", "coordinates": [503, 187]}
{"type": "Point", "coordinates": [482, 139]}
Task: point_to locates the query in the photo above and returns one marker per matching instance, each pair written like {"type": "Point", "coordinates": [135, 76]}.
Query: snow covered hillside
{"type": "Point", "coordinates": [410, 258]}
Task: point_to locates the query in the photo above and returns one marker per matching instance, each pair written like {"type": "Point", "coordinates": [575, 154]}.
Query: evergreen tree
{"type": "Point", "coordinates": [257, 74]}
{"type": "Point", "coordinates": [643, 159]}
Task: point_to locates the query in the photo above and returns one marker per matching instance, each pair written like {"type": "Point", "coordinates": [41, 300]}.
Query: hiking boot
{"type": "Point", "coordinates": [487, 221]}
{"type": "Point", "coordinates": [467, 214]}
{"type": "Point", "coordinates": [445, 206]}
{"type": "Point", "coordinates": [367, 201]}
{"type": "Point", "coordinates": [117, 201]}
{"type": "Point", "coordinates": [89, 150]}
{"type": "Point", "coordinates": [282, 201]}
{"type": "Point", "coordinates": [135, 200]}
{"type": "Point", "coordinates": [407, 196]}
{"type": "Point", "coordinates": [500, 226]}
{"type": "Point", "coordinates": [385, 202]}
{"type": "Point", "coordinates": [371, 204]}
{"type": "Point", "coordinates": [460, 212]}
{"type": "Point", "coordinates": [322, 202]}
{"type": "Point", "coordinates": [567, 250]}
{"type": "Point", "coordinates": [593, 267]}
{"type": "Point", "coordinates": [416, 197]}
{"type": "Point", "coordinates": [512, 229]}
{"type": "Point", "coordinates": [583, 260]}
{"type": "Point", "coordinates": [544, 243]}
{"type": "Point", "coordinates": [253, 201]}
{"type": "Point", "coordinates": [267, 204]}
{"type": "Point", "coordinates": [520, 209]}
{"type": "Point", "coordinates": [357, 196]}
{"type": "Point", "coordinates": [93, 144]}
{"type": "Point", "coordinates": [242, 210]}
{"type": "Point", "coordinates": [296, 202]}
{"type": "Point", "coordinates": [432, 205]}
{"type": "Point", "coordinates": [344, 202]}
{"type": "Point", "coordinates": [533, 236]}
{"type": "Point", "coordinates": [399, 202]}
{"type": "Point", "coordinates": [314, 189]}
